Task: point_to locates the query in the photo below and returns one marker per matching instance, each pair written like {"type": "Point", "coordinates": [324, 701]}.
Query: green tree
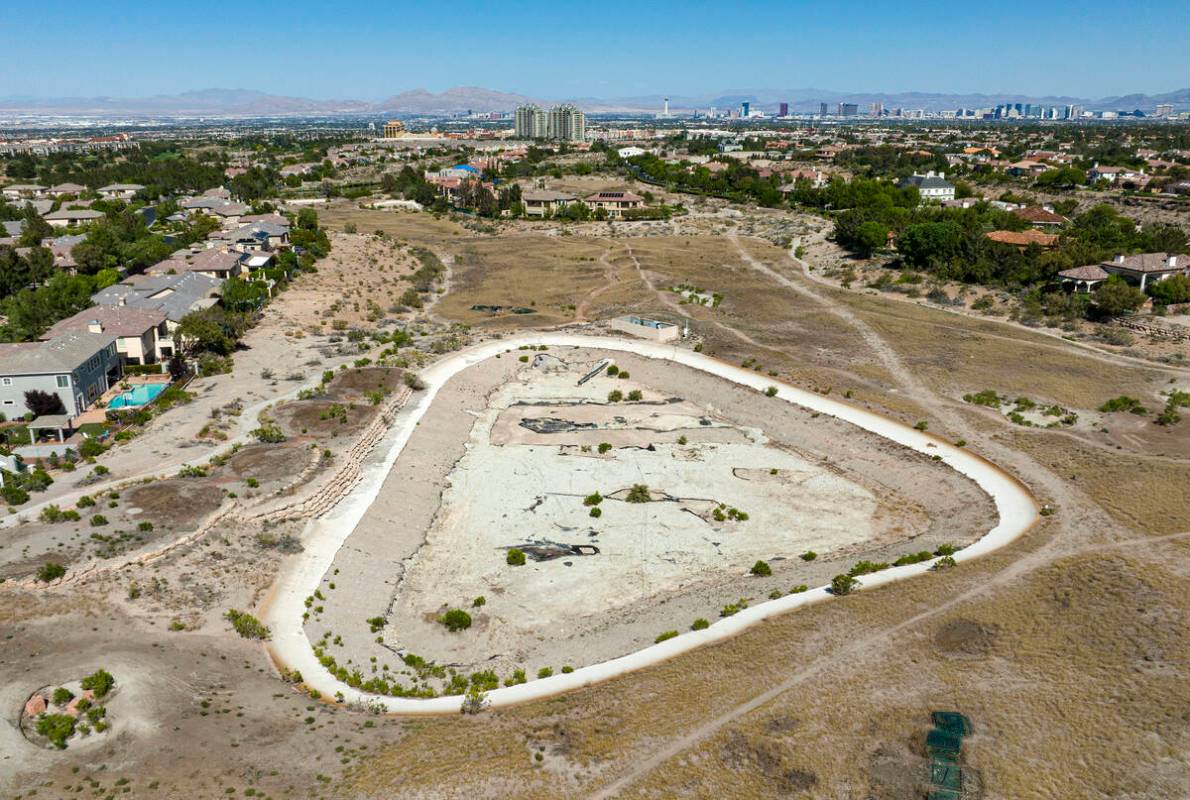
{"type": "Point", "coordinates": [1115, 297]}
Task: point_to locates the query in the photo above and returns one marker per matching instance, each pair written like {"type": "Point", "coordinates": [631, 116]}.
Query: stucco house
{"type": "Point", "coordinates": [931, 186]}
{"type": "Point", "coordinates": [137, 330]}
{"type": "Point", "coordinates": [70, 217]}
{"type": "Point", "coordinates": [614, 203]}
{"type": "Point", "coordinates": [76, 366]}
{"type": "Point", "coordinates": [174, 295]}
{"type": "Point", "coordinates": [543, 202]}
{"type": "Point", "coordinates": [119, 191]}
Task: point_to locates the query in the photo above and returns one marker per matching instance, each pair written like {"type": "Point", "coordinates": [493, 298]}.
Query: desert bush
{"type": "Point", "coordinates": [50, 571]}
{"type": "Point", "coordinates": [661, 637]}
{"type": "Point", "coordinates": [843, 584]}
{"type": "Point", "coordinates": [639, 493]}
{"type": "Point", "coordinates": [635, 395]}
{"type": "Point", "coordinates": [515, 557]}
{"type": "Point", "coordinates": [247, 625]}
{"type": "Point", "coordinates": [100, 682]}
{"type": "Point", "coordinates": [615, 396]}
{"type": "Point", "coordinates": [57, 728]}
{"type": "Point", "coordinates": [455, 620]}
{"type": "Point", "coordinates": [761, 569]}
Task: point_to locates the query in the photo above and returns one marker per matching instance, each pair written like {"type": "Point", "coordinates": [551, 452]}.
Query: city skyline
{"type": "Point", "coordinates": [364, 53]}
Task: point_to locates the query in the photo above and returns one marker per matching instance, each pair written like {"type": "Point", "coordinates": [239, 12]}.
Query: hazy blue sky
{"type": "Point", "coordinates": [347, 49]}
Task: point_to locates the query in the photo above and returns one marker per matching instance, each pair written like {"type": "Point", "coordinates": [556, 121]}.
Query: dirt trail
{"type": "Point", "coordinates": [612, 275]}
{"type": "Point", "coordinates": [862, 651]}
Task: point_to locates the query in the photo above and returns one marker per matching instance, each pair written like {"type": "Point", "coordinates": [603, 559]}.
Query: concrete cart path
{"type": "Point", "coordinates": [290, 648]}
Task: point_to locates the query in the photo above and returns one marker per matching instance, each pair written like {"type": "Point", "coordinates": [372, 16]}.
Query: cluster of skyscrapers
{"type": "Point", "coordinates": [564, 122]}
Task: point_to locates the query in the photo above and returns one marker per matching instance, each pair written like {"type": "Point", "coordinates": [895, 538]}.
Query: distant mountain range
{"type": "Point", "coordinates": [248, 103]}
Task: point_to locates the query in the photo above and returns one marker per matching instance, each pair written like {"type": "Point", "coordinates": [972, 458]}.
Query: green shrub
{"type": "Point", "coordinates": [604, 447]}
{"type": "Point", "coordinates": [145, 526]}
{"type": "Point", "coordinates": [843, 584]}
{"type": "Point", "coordinates": [593, 499]}
{"type": "Point", "coordinates": [98, 521]}
{"type": "Point", "coordinates": [700, 624]}
{"type": "Point", "coordinates": [809, 555]}
{"type": "Point", "coordinates": [247, 625]}
{"type": "Point", "coordinates": [596, 512]}
{"type": "Point", "coordinates": [943, 563]}
{"type": "Point", "coordinates": [639, 493]}
{"type": "Point", "coordinates": [85, 501]}
{"type": "Point", "coordinates": [62, 696]}
{"type": "Point", "coordinates": [635, 395]}
{"type": "Point", "coordinates": [14, 495]}
{"type": "Point", "coordinates": [661, 637]}
{"type": "Point", "coordinates": [100, 682]}
{"type": "Point", "coordinates": [761, 569]}
{"type": "Point", "coordinates": [270, 433]}
{"type": "Point", "coordinates": [50, 571]}
{"type": "Point", "coordinates": [945, 550]}
{"type": "Point", "coordinates": [771, 391]}
{"type": "Point", "coordinates": [913, 558]}
{"type": "Point", "coordinates": [545, 672]}
{"type": "Point", "coordinates": [455, 620]}
{"type": "Point", "coordinates": [57, 728]}
{"type": "Point", "coordinates": [615, 396]}
{"type": "Point", "coordinates": [801, 587]}
{"type": "Point", "coordinates": [613, 371]}
{"type": "Point", "coordinates": [515, 557]}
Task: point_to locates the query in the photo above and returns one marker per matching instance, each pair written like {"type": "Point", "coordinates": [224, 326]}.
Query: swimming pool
{"type": "Point", "coordinates": [145, 393]}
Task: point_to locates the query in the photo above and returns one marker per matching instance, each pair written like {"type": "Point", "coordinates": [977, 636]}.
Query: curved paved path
{"type": "Point", "coordinates": [291, 648]}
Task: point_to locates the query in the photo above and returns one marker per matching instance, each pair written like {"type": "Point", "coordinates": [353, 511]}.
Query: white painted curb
{"type": "Point", "coordinates": [291, 648]}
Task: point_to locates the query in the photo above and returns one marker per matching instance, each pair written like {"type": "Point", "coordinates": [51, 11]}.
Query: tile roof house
{"type": "Point", "coordinates": [614, 203]}
{"type": "Point", "coordinates": [1146, 267]}
{"type": "Point", "coordinates": [543, 202]}
{"type": "Point", "coordinates": [174, 295]}
{"type": "Point", "coordinates": [1022, 239]}
{"type": "Point", "coordinates": [66, 188]}
{"type": "Point", "coordinates": [1040, 217]}
{"type": "Point", "coordinates": [78, 366]}
{"type": "Point", "coordinates": [63, 249]}
{"type": "Point", "coordinates": [1083, 279]}
{"type": "Point", "coordinates": [136, 330]}
{"type": "Point", "coordinates": [119, 191]}
{"type": "Point", "coordinates": [218, 264]}
{"type": "Point", "coordinates": [16, 191]}
{"type": "Point", "coordinates": [67, 217]}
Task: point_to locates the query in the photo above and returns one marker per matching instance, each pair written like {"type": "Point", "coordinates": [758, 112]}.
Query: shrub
{"type": "Point", "coordinates": [700, 624]}
{"type": "Point", "coordinates": [624, 374]}
{"type": "Point", "coordinates": [479, 602]}
{"type": "Point", "coordinates": [51, 513]}
{"type": "Point", "coordinates": [761, 569]}
{"type": "Point", "coordinates": [515, 557]}
{"type": "Point", "coordinates": [733, 608]}
{"type": "Point", "coordinates": [593, 499]}
{"type": "Point", "coordinates": [145, 526]}
{"type": "Point", "coordinates": [98, 521]}
{"type": "Point", "coordinates": [615, 396]}
{"type": "Point", "coordinates": [86, 501]}
{"type": "Point", "coordinates": [62, 696]}
{"type": "Point", "coordinates": [604, 447]}
{"type": "Point", "coordinates": [50, 571]}
{"type": "Point", "coordinates": [635, 395]}
{"type": "Point", "coordinates": [57, 728]}
{"type": "Point", "coordinates": [596, 512]}
{"type": "Point", "coordinates": [14, 495]}
{"type": "Point", "coordinates": [809, 555]}
{"type": "Point", "coordinates": [545, 672]}
{"type": "Point", "coordinates": [770, 391]}
{"type": "Point", "coordinates": [922, 426]}
{"type": "Point", "coordinates": [639, 493]}
{"type": "Point", "coordinates": [269, 432]}
{"type": "Point", "coordinates": [375, 624]}
{"type": "Point", "coordinates": [913, 558]}
{"type": "Point", "coordinates": [945, 550]}
{"type": "Point", "coordinates": [455, 620]}
{"type": "Point", "coordinates": [253, 483]}
{"type": "Point", "coordinates": [843, 584]}
{"type": "Point", "coordinates": [100, 682]}
{"type": "Point", "coordinates": [661, 637]}
{"type": "Point", "coordinates": [613, 371]}
{"type": "Point", "coordinates": [247, 625]}
{"type": "Point", "coordinates": [943, 563]}
{"type": "Point", "coordinates": [682, 439]}
{"type": "Point", "coordinates": [801, 587]}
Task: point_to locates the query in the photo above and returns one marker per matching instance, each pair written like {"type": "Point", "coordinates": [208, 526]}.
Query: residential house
{"type": "Point", "coordinates": [174, 295]}
{"type": "Point", "coordinates": [1144, 268]}
{"type": "Point", "coordinates": [1116, 175]}
{"type": "Point", "coordinates": [931, 186]}
{"type": "Point", "coordinates": [1040, 217]}
{"type": "Point", "coordinates": [1022, 239]}
{"type": "Point", "coordinates": [215, 263]}
{"type": "Point", "coordinates": [63, 249]}
{"type": "Point", "coordinates": [1025, 168]}
{"type": "Point", "coordinates": [22, 191]}
{"type": "Point", "coordinates": [78, 367]}
{"type": "Point", "coordinates": [63, 189]}
{"type": "Point", "coordinates": [230, 213]}
{"type": "Point", "coordinates": [71, 217]}
{"type": "Point", "coordinates": [614, 203]}
{"type": "Point", "coordinates": [545, 202]}
{"type": "Point", "coordinates": [1083, 279]}
{"type": "Point", "coordinates": [137, 330]}
{"type": "Point", "coordinates": [12, 230]}
{"type": "Point", "coordinates": [119, 191]}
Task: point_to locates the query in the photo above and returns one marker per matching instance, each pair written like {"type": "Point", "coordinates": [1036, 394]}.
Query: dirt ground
{"type": "Point", "coordinates": [1068, 649]}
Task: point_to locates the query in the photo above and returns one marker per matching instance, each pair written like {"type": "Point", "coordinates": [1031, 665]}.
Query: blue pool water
{"type": "Point", "coordinates": [145, 393]}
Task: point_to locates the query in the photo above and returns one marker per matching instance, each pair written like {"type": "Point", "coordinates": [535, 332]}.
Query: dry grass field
{"type": "Point", "coordinates": [1069, 649]}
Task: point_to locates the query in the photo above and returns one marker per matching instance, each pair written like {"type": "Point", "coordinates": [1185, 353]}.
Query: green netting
{"type": "Point", "coordinates": [945, 775]}
{"type": "Point", "coordinates": [952, 722]}
{"type": "Point", "coordinates": [943, 794]}
{"type": "Point", "coordinates": [942, 742]}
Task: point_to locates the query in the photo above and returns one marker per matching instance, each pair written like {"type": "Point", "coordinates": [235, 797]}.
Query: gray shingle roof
{"type": "Point", "coordinates": [61, 354]}
{"type": "Point", "coordinates": [174, 295]}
